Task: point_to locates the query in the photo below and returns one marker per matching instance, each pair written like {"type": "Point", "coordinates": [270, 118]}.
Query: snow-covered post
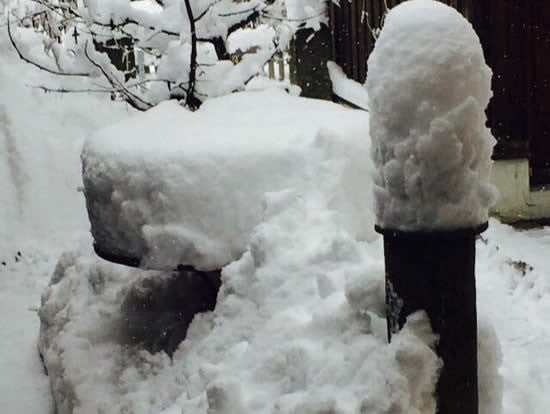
{"type": "Point", "coordinates": [428, 86]}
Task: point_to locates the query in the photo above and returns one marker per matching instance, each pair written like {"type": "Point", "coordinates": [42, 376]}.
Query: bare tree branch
{"type": "Point", "coordinates": [190, 99]}
{"type": "Point", "coordinates": [65, 90]}
{"type": "Point", "coordinates": [118, 33]}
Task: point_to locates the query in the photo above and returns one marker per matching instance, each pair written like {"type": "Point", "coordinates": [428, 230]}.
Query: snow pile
{"type": "Point", "coordinates": [428, 86]}
{"type": "Point", "coordinates": [297, 329]}
{"type": "Point", "coordinates": [175, 187]}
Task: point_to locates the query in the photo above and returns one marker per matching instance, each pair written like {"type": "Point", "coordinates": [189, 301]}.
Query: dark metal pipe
{"type": "Point", "coordinates": [434, 271]}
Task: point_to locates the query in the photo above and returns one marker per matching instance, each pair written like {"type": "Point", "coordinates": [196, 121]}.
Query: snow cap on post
{"type": "Point", "coordinates": [428, 87]}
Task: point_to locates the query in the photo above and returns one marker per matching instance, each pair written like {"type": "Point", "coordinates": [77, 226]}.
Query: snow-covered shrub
{"type": "Point", "coordinates": [191, 44]}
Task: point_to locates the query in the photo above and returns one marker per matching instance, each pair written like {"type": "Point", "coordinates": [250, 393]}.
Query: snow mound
{"type": "Point", "coordinates": [174, 187]}
{"type": "Point", "coordinates": [428, 86]}
{"type": "Point", "coordinates": [297, 329]}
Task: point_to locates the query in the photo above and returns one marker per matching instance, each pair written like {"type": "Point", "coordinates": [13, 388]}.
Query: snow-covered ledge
{"type": "Point", "coordinates": [517, 200]}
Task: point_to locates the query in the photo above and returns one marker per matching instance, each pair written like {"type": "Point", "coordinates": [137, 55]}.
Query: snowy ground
{"type": "Point", "coordinates": [24, 387]}
{"type": "Point", "coordinates": [514, 290]}
{"type": "Point", "coordinates": [518, 306]}
{"type": "Point", "coordinates": [42, 215]}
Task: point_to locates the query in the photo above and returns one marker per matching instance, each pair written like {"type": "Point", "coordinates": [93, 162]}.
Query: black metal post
{"type": "Point", "coordinates": [434, 271]}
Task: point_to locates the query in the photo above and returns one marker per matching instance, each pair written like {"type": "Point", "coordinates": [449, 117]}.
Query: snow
{"type": "Point", "coordinates": [428, 86]}
{"type": "Point", "coordinates": [298, 328]}
{"type": "Point", "coordinates": [513, 288]}
{"type": "Point", "coordinates": [307, 13]}
{"type": "Point", "coordinates": [245, 39]}
{"type": "Point", "coordinates": [284, 336]}
{"type": "Point", "coordinates": [39, 137]}
{"type": "Point", "coordinates": [346, 88]}
{"type": "Point", "coordinates": [41, 213]}
{"type": "Point", "coordinates": [180, 198]}
{"type": "Point", "coordinates": [299, 331]}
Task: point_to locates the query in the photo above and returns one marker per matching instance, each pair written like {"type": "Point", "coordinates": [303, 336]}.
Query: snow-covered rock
{"type": "Point", "coordinates": [174, 187]}
{"type": "Point", "coordinates": [428, 86]}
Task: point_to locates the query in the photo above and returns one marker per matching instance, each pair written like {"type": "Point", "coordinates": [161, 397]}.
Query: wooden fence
{"type": "Point", "coordinates": [515, 35]}
{"type": "Point", "coordinates": [352, 24]}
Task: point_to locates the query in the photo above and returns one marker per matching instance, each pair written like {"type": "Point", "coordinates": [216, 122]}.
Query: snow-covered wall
{"type": "Point", "coordinates": [176, 187]}
{"type": "Point", "coordinates": [428, 87]}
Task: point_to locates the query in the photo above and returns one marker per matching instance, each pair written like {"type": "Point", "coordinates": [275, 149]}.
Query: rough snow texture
{"type": "Point", "coordinates": [297, 329]}
{"type": "Point", "coordinates": [428, 86]}
{"type": "Point", "coordinates": [175, 187]}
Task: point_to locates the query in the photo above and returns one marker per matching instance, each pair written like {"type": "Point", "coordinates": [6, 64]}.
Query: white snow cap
{"type": "Point", "coordinates": [428, 86]}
